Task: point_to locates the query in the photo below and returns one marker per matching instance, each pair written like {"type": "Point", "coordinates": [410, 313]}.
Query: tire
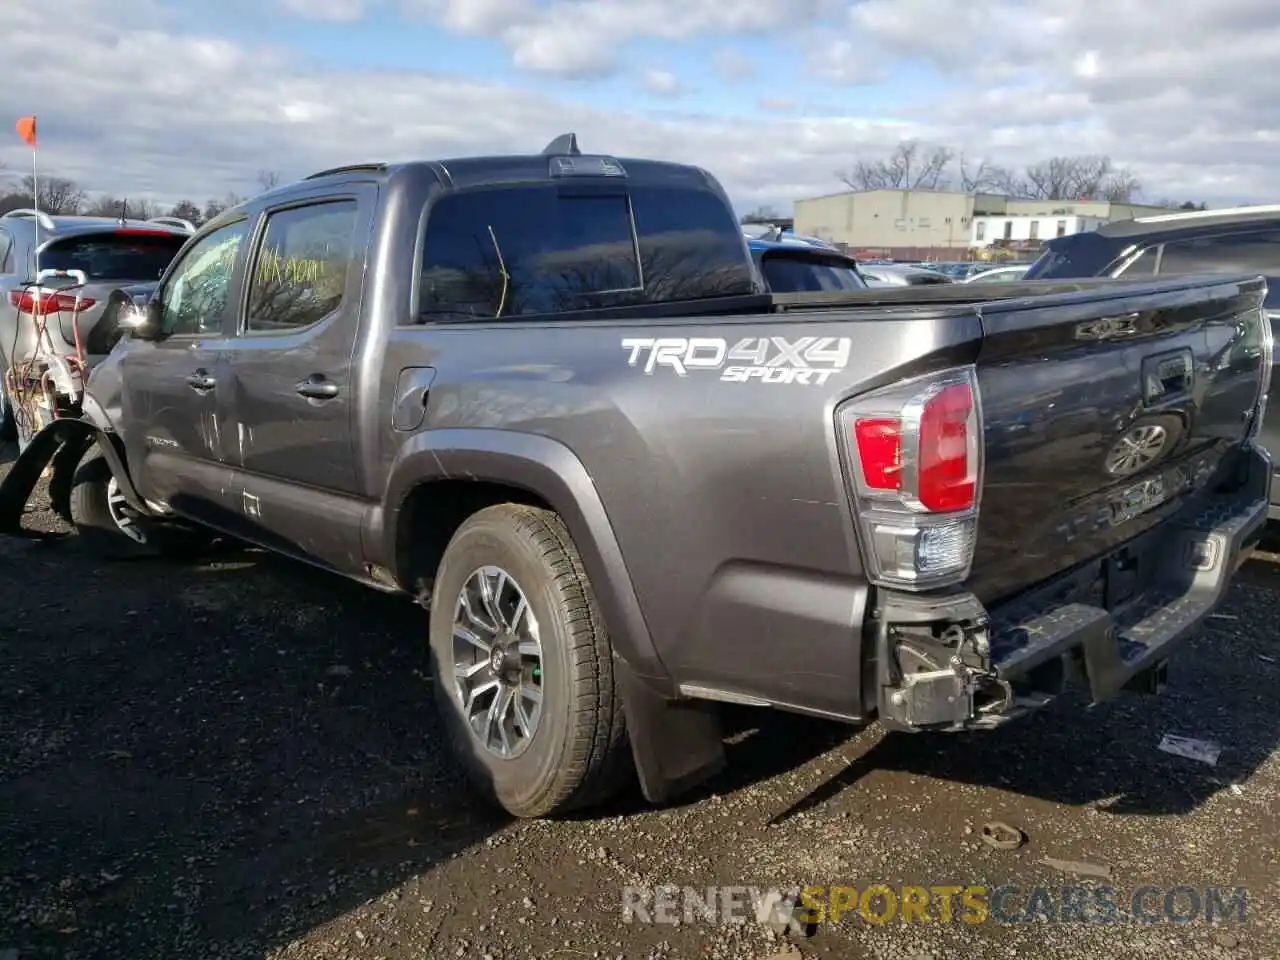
{"type": "Point", "coordinates": [578, 753]}
{"type": "Point", "coordinates": [97, 527]}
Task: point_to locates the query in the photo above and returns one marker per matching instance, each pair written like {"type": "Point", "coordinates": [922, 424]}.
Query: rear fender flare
{"type": "Point", "coordinates": [551, 471]}
{"type": "Point", "coordinates": [676, 743]}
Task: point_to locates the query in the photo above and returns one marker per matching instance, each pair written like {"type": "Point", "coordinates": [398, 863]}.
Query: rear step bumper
{"type": "Point", "coordinates": [1112, 624]}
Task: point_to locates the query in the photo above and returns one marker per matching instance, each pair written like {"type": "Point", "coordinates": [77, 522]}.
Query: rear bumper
{"type": "Point", "coordinates": [1112, 623]}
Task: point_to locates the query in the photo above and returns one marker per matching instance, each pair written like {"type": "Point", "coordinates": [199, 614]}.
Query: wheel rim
{"type": "Point", "coordinates": [497, 662]}
{"type": "Point", "coordinates": [122, 514]}
{"type": "Point", "coordinates": [1137, 450]}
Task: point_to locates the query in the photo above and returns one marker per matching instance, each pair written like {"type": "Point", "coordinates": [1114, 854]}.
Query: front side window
{"type": "Point", "coordinates": [1240, 253]}
{"type": "Point", "coordinates": [525, 250]}
{"type": "Point", "coordinates": [300, 273]}
{"type": "Point", "coordinates": [193, 301]}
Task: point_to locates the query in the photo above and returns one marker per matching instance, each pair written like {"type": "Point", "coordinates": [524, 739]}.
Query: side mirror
{"type": "Point", "coordinates": [142, 320]}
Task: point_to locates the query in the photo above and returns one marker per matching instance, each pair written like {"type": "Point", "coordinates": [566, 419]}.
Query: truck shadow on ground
{"type": "Point", "coordinates": [210, 759]}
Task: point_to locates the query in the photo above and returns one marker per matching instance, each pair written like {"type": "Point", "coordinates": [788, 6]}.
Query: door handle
{"type": "Point", "coordinates": [316, 388]}
{"type": "Point", "coordinates": [200, 380]}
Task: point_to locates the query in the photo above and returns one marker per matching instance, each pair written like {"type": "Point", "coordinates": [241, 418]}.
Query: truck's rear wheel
{"type": "Point", "coordinates": [108, 525]}
{"type": "Point", "coordinates": [523, 666]}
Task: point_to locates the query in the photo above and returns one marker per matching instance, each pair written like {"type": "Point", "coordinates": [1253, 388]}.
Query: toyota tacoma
{"type": "Point", "coordinates": [552, 398]}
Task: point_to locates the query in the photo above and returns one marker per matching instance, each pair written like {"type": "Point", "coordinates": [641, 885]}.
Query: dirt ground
{"type": "Point", "coordinates": [239, 758]}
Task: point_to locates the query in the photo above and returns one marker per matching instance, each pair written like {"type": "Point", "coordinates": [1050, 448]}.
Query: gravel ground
{"type": "Point", "coordinates": [238, 758]}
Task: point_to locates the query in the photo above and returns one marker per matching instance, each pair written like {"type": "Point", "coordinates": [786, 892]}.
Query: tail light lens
{"type": "Point", "coordinates": [915, 457]}
{"type": "Point", "coordinates": [42, 303]}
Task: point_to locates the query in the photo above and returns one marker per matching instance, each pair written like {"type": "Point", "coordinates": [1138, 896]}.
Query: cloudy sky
{"type": "Point", "coordinates": [167, 99]}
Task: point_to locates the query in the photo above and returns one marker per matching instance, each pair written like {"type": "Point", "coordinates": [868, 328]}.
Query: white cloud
{"type": "Point", "coordinates": [661, 83]}
{"type": "Point", "coordinates": [732, 64]}
{"type": "Point", "coordinates": [333, 11]}
{"type": "Point", "coordinates": [173, 111]}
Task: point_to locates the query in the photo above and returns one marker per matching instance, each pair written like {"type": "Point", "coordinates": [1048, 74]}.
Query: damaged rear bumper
{"type": "Point", "coordinates": [953, 665]}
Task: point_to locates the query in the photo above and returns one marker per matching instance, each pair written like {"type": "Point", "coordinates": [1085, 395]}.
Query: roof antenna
{"type": "Point", "coordinates": [564, 145]}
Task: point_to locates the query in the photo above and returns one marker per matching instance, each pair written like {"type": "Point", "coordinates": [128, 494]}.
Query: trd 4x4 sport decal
{"type": "Point", "coordinates": [807, 360]}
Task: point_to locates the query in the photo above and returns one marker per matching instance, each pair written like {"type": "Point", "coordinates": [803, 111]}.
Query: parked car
{"type": "Point", "coordinates": [899, 275]}
{"type": "Point", "coordinates": [1231, 241]}
{"type": "Point", "coordinates": [959, 270]}
{"type": "Point", "coordinates": [998, 274]}
{"type": "Point", "coordinates": [631, 485]}
{"type": "Point", "coordinates": [49, 323]}
{"type": "Point", "coordinates": [793, 267]}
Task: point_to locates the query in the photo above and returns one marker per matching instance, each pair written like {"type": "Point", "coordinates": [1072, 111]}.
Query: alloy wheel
{"type": "Point", "coordinates": [497, 662]}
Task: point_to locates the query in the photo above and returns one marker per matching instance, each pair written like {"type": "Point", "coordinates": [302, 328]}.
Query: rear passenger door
{"type": "Point", "coordinates": [287, 419]}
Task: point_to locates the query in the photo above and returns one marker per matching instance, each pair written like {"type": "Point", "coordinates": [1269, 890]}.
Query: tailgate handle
{"type": "Point", "coordinates": [1167, 375]}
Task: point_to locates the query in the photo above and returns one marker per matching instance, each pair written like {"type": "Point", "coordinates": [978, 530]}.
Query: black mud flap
{"type": "Point", "coordinates": [18, 485]}
{"type": "Point", "coordinates": [677, 744]}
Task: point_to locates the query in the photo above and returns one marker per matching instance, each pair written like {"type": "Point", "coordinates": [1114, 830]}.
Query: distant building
{"type": "Point", "coordinates": [1013, 229]}
{"type": "Point", "coordinates": [894, 219]}
{"type": "Point", "coordinates": [938, 224]}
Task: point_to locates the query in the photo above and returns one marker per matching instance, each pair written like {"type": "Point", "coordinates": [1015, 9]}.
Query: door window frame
{"type": "Point", "coordinates": [240, 319]}
{"type": "Point", "coordinates": [236, 278]}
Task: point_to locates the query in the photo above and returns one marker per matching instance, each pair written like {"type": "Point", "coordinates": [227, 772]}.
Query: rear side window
{"type": "Point", "coordinates": [789, 273]}
{"type": "Point", "coordinates": [524, 250]}
{"type": "Point", "coordinates": [300, 273]}
{"type": "Point", "coordinates": [115, 256]}
{"type": "Point", "coordinates": [1239, 253]}
{"type": "Point", "coordinates": [6, 252]}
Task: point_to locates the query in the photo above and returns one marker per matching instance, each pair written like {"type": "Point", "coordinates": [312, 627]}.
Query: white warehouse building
{"type": "Point", "coordinates": [984, 230]}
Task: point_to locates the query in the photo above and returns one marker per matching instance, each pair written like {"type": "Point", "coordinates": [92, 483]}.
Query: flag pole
{"type": "Point", "coordinates": [35, 199]}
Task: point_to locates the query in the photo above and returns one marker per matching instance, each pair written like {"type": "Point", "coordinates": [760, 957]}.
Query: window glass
{"type": "Point", "coordinates": [6, 253]}
{"type": "Point", "coordinates": [1143, 266]}
{"type": "Point", "coordinates": [527, 250]}
{"type": "Point", "coordinates": [300, 273]}
{"type": "Point", "coordinates": [194, 298]}
{"type": "Point", "coordinates": [117, 256]}
{"type": "Point", "coordinates": [792, 274]}
{"type": "Point", "coordinates": [1240, 253]}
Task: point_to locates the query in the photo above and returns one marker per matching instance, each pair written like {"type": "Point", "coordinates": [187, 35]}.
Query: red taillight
{"type": "Point", "coordinates": [946, 472]}
{"type": "Point", "coordinates": [41, 305]}
{"type": "Point", "coordinates": [880, 451]}
{"type": "Point", "coordinates": [916, 452]}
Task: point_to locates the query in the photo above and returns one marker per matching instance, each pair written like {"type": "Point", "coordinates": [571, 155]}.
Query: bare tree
{"type": "Point", "coordinates": [1086, 177]}
{"type": "Point", "coordinates": [983, 176]}
{"type": "Point", "coordinates": [186, 210]}
{"type": "Point", "coordinates": [911, 166]}
{"type": "Point", "coordinates": [109, 206]}
{"type": "Point", "coordinates": [268, 180]}
{"type": "Point", "coordinates": [215, 207]}
{"type": "Point", "coordinates": [57, 194]}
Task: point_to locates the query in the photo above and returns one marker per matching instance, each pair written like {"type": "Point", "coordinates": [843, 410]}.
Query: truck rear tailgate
{"type": "Point", "coordinates": [1117, 491]}
{"type": "Point", "coordinates": [1100, 418]}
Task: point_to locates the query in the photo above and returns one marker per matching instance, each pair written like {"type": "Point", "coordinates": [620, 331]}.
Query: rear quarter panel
{"type": "Point", "coordinates": [727, 498]}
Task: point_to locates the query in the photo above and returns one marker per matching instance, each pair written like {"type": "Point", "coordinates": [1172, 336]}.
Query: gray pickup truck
{"type": "Point", "coordinates": [551, 398]}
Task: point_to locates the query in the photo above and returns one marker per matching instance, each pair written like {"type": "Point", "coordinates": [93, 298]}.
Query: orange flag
{"type": "Point", "coordinates": [26, 127]}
